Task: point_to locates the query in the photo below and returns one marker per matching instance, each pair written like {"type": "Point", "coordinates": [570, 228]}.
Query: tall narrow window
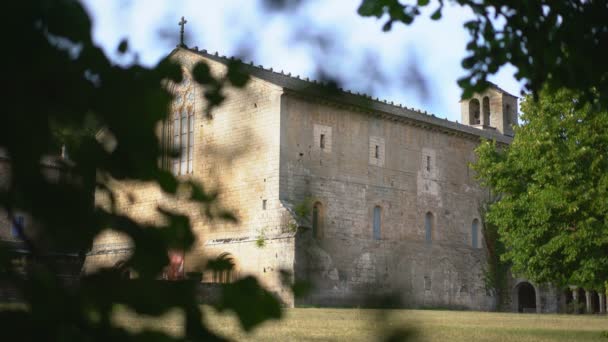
{"type": "Point", "coordinates": [18, 224]}
{"type": "Point", "coordinates": [175, 144]}
{"type": "Point", "coordinates": [486, 111]}
{"type": "Point", "coordinates": [377, 223]}
{"type": "Point", "coordinates": [317, 220]}
{"type": "Point", "coordinates": [183, 142]}
{"type": "Point", "coordinates": [190, 141]}
{"type": "Point", "coordinates": [322, 141]}
{"type": "Point", "coordinates": [428, 227]}
{"type": "Point", "coordinates": [474, 118]}
{"type": "Point", "coordinates": [377, 152]}
{"type": "Point", "coordinates": [428, 163]}
{"type": "Point", "coordinates": [475, 233]}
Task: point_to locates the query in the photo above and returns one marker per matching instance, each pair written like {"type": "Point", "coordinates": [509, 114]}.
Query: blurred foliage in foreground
{"type": "Point", "coordinates": [62, 89]}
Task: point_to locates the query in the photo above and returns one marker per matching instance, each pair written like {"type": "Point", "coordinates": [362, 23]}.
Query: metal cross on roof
{"type": "Point", "coordinates": [181, 32]}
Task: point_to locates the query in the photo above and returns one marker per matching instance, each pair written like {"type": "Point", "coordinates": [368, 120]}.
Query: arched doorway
{"type": "Point", "coordinates": [582, 301]}
{"type": "Point", "coordinates": [595, 302]}
{"type": "Point", "coordinates": [526, 297]}
{"type": "Point", "coordinates": [568, 301]}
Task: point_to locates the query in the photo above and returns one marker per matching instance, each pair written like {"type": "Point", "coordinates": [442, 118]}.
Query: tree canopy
{"type": "Point", "coordinates": [553, 186]}
{"type": "Point", "coordinates": [560, 44]}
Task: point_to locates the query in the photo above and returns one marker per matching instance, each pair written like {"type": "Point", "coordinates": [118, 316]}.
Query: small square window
{"type": "Point", "coordinates": [322, 141]}
{"type": "Point", "coordinates": [263, 204]}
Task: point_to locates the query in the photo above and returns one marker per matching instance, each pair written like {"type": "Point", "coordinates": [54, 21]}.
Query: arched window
{"type": "Point", "coordinates": [475, 233]}
{"type": "Point", "coordinates": [317, 220]}
{"type": "Point", "coordinates": [377, 222]}
{"type": "Point", "coordinates": [428, 227]}
{"type": "Point", "coordinates": [474, 118]}
{"type": "Point", "coordinates": [486, 111]}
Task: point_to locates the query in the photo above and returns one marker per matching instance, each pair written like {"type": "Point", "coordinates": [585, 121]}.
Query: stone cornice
{"type": "Point", "coordinates": [325, 93]}
{"type": "Point", "coordinates": [467, 132]}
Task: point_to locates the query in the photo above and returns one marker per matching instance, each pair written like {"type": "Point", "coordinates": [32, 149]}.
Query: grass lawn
{"type": "Point", "coordinates": [314, 324]}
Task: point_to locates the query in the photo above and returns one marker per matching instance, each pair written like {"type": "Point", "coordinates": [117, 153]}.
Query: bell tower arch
{"type": "Point", "coordinates": [493, 109]}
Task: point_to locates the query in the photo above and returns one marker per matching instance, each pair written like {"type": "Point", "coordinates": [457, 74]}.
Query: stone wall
{"type": "Point", "coordinates": [416, 171]}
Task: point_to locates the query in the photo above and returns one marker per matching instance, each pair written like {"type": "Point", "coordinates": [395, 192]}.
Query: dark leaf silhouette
{"type": "Point", "coordinates": [75, 124]}
{"type": "Point", "coordinates": [262, 304]}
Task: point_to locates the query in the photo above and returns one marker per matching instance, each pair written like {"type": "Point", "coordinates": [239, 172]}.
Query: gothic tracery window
{"type": "Point", "coordinates": [179, 132]}
{"type": "Point", "coordinates": [183, 141]}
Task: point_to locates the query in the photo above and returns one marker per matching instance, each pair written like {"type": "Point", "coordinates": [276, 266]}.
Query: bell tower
{"type": "Point", "coordinates": [493, 109]}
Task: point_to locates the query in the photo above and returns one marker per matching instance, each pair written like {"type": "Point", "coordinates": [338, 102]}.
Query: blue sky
{"type": "Point", "coordinates": [358, 53]}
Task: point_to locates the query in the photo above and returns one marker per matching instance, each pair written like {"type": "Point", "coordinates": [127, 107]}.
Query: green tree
{"type": "Point", "coordinates": [496, 270]}
{"type": "Point", "coordinates": [558, 43]}
{"type": "Point", "coordinates": [62, 87]}
{"type": "Point", "coordinates": [553, 181]}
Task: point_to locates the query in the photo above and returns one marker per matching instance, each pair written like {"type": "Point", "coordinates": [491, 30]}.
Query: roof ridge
{"type": "Point", "coordinates": [494, 85]}
{"type": "Point", "coordinates": [401, 108]}
{"type": "Point", "coordinates": [310, 80]}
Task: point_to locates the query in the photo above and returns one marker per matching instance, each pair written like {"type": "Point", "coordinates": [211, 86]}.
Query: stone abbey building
{"type": "Point", "coordinates": [361, 197]}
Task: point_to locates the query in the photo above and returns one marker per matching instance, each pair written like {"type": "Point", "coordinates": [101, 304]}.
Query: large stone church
{"type": "Point", "coordinates": [360, 197]}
